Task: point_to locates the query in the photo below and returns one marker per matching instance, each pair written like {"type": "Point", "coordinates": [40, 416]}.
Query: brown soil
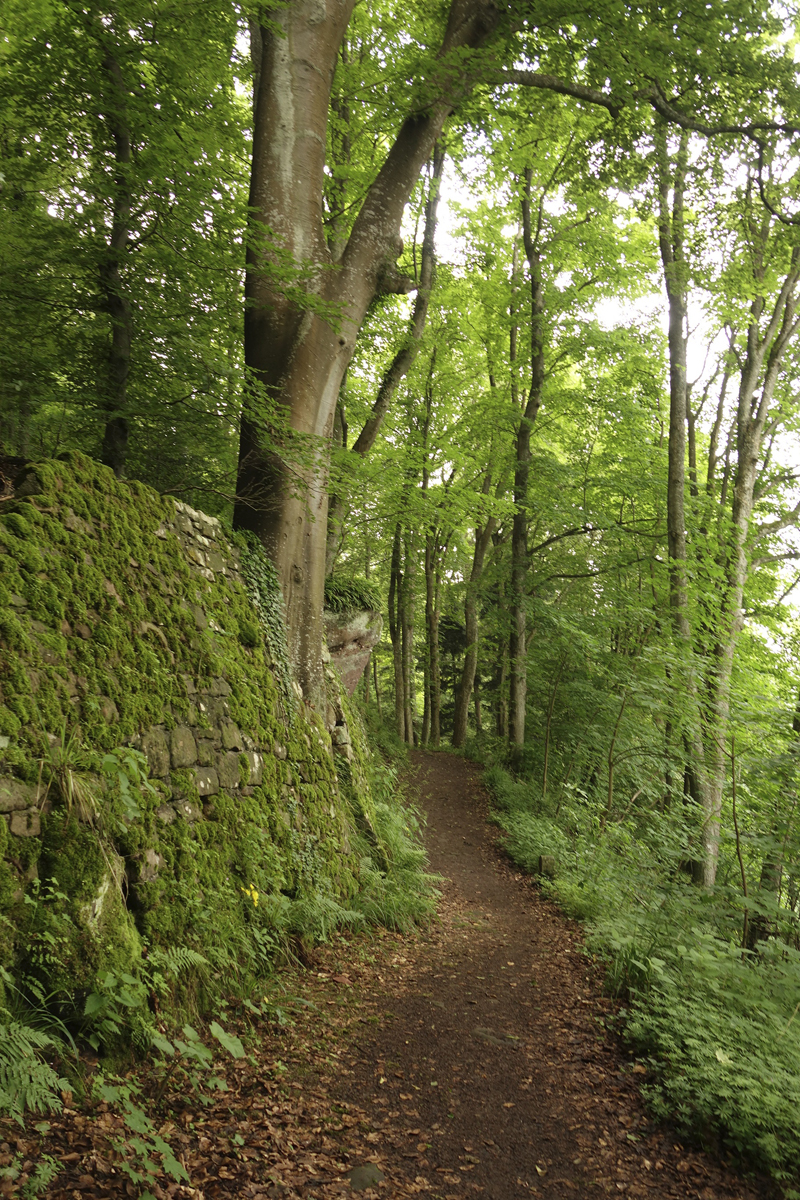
{"type": "Point", "coordinates": [474, 1059]}
{"type": "Point", "coordinates": [498, 1046]}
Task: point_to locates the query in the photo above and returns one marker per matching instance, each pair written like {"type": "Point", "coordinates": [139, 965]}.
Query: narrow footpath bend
{"type": "Point", "coordinates": [496, 1052]}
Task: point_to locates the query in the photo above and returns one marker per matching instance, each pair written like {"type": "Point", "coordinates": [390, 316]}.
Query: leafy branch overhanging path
{"type": "Point", "coordinates": [470, 1061]}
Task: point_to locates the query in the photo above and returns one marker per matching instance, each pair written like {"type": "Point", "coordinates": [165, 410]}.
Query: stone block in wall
{"type": "Point", "coordinates": [200, 618]}
{"type": "Point", "coordinates": [231, 736]}
{"type": "Point", "coordinates": [207, 781]}
{"type": "Point", "coordinates": [16, 795]}
{"type": "Point", "coordinates": [189, 811]}
{"type": "Point", "coordinates": [214, 709]}
{"type": "Point", "coordinates": [182, 746]}
{"type": "Point", "coordinates": [206, 751]}
{"type": "Point", "coordinates": [256, 763]}
{"type": "Point", "coordinates": [150, 865]}
{"type": "Point", "coordinates": [228, 770]}
{"type": "Point", "coordinates": [156, 750]}
{"type": "Point", "coordinates": [219, 687]}
{"type": "Point", "coordinates": [25, 824]}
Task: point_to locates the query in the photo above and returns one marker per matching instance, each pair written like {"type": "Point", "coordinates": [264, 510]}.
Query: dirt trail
{"type": "Point", "coordinates": [470, 1060]}
{"type": "Point", "coordinates": [500, 1043]}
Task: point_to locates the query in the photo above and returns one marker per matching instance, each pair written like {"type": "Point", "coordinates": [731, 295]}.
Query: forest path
{"type": "Point", "coordinates": [496, 1048]}
{"type": "Point", "coordinates": [470, 1059]}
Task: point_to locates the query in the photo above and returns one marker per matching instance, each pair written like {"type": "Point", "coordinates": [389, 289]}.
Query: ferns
{"type": "Point", "coordinates": [27, 1081]}
{"type": "Point", "coordinates": [350, 595]}
{"type": "Point", "coordinates": [174, 961]}
{"type": "Point", "coordinates": [315, 916]}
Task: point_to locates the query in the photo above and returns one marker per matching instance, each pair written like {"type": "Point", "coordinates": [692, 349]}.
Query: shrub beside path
{"type": "Point", "coordinates": [472, 1060]}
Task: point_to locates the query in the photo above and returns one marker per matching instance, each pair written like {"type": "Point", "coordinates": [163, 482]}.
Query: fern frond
{"type": "Point", "coordinates": [176, 960]}
{"type": "Point", "coordinates": [26, 1080]}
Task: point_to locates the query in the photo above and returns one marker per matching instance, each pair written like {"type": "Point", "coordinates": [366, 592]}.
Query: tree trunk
{"type": "Point", "coordinates": [671, 245]}
{"type": "Point", "coordinates": [403, 360]}
{"type": "Point", "coordinates": [377, 686]}
{"type": "Point", "coordinates": [483, 538]}
{"type": "Point", "coordinates": [116, 303]}
{"type": "Point", "coordinates": [706, 738]}
{"type": "Point", "coordinates": [476, 692]}
{"type": "Point", "coordinates": [296, 351]}
{"type": "Point", "coordinates": [519, 531]}
{"type": "Point", "coordinates": [407, 641]}
{"type": "Point", "coordinates": [432, 641]}
{"type": "Point", "coordinates": [395, 630]}
{"type": "Point", "coordinates": [764, 354]}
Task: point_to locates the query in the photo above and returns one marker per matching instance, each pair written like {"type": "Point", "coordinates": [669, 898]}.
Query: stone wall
{"type": "Point", "coordinates": [125, 624]}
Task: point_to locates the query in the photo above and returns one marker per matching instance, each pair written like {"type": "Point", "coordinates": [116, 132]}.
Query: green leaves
{"type": "Point", "coordinates": [228, 1041]}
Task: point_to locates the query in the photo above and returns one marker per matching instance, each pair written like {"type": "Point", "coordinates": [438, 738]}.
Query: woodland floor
{"type": "Point", "coordinates": [476, 1059]}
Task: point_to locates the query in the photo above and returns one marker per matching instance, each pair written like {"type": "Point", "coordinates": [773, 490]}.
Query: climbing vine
{"type": "Point", "coordinates": [264, 589]}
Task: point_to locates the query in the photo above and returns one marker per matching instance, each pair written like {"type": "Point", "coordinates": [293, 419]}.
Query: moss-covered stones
{"type": "Point", "coordinates": [127, 623]}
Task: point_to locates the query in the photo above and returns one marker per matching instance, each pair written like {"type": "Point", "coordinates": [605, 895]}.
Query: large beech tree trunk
{"type": "Point", "coordinates": [403, 360]}
{"type": "Point", "coordinates": [296, 353]}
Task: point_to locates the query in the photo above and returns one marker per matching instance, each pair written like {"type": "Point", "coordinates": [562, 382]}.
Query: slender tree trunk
{"type": "Point", "coordinates": [377, 686]}
{"type": "Point", "coordinates": [706, 740]}
{"type": "Point", "coordinates": [519, 531]}
{"type": "Point", "coordinates": [425, 736]}
{"type": "Point", "coordinates": [501, 679]}
{"type": "Point", "coordinates": [116, 303]}
{"type": "Point", "coordinates": [407, 640]}
{"type": "Point", "coordinates": [483, 538]}
{"type": "Point", "coordinates": [432, 639]}
{"type": "Point", "coordinates": [765, 352]}
{"type": "Point", "coordinates": [549, 722]}
{"type": "Point", "coordinates": [395, 630]}
{"type": "Point", "coordinates": [671, 244]}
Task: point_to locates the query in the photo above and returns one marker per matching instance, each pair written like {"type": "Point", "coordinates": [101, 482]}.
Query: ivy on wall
{"type": "Point", "coordinates": [264, 589]}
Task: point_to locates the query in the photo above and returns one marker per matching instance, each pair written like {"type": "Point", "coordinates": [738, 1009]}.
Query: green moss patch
{"type": "Point", "coordinates": [131, 621]}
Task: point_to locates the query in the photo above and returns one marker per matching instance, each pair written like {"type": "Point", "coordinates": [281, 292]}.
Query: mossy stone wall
{"type": "Point", "coordinates": [125, 622]}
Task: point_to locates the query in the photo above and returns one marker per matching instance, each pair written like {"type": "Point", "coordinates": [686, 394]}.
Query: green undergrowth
{"type": "Point", "coordinates": [129, 901]}
{"type": "Point", "coordinates": [350, 594]}
{"type": "Point", "coordinates": [718, 1027]}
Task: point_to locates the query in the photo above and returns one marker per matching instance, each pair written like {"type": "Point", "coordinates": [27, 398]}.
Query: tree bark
{"type": "Point", "coordinates": [403, 360]}
{"type": "Point", "coordinates": [407, 641]}
{"type": "Point", "coordinates": [116, 303]}
{"type": "Point", "coordinates": [768, 335]}
{"type": "Point", "coordinates": [519, 531]}
{"type": "Point", "coordinates": [483, 538]}
{"type": "Point", "coordinates": [671, 238]}
{"type": "Point", "coordinates": [296, 351]}
{"type": "Point", "coordinates": [395, 630]}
